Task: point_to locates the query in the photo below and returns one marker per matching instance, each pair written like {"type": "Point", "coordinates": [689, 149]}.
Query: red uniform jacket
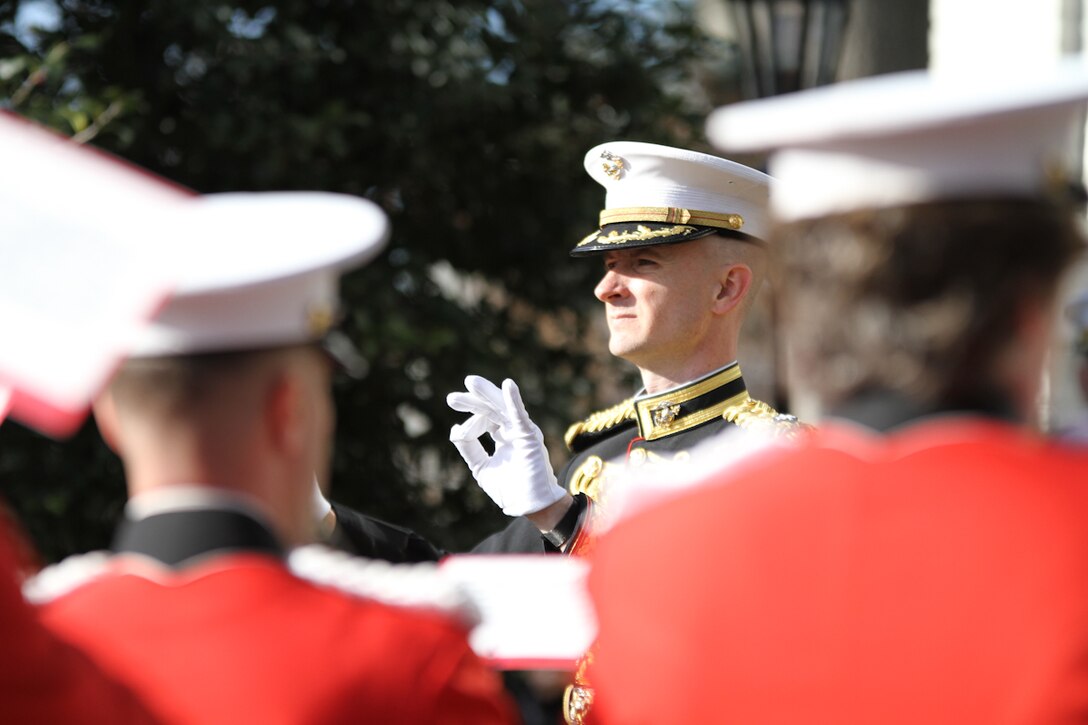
{"type": "Point", "coordinates": [936, 575]}
{"type": "Point", "coordinates": [44, 680]}
{"type": "Point", "coordinates": [226, 636]}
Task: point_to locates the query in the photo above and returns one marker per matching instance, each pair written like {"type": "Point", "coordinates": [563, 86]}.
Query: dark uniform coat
{"type": "Point", "coordinates": [363, 535]}
{"type": "Point", "coordinates": [199, 612]}
{"type": "Point", "coordinates": [938, 574]}
{"type": "Point", "coordinates": [646, 430]}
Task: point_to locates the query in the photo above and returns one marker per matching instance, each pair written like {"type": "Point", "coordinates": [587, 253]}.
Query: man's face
{"type": "Point", "coordinates": [658, 300]}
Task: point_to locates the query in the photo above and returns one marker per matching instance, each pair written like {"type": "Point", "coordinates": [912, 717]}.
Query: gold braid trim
{"type": "Point", "coordinates": [672, 215]}
{"type": "Point", "coordinates": [752, 414]}
{"type": "Point", "coordinates": [578, 697]}
{"type": "Point", "coordinates": [601, 420]}
{"type": "Point", "coordinates": [640, 234]}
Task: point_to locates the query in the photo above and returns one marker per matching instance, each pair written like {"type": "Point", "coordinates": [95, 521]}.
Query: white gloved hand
{"type": "Point", "coordinates": [518, 475]}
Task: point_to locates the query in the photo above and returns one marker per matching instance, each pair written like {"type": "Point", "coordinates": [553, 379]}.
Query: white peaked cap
{"type": "Point", "coordinates": [910, 137]}
{"type": "Point", "coordinates": [648, 183]}
{"type": "Point", "coordinates": [259, 269]}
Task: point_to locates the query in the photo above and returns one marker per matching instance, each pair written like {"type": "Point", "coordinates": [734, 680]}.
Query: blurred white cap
{"type": "Point", "coordinates": [259, 269]}
{"type": "Point", "coordinates": [93, 247]}
{"type": "Point", "coordinates": [911, 137]}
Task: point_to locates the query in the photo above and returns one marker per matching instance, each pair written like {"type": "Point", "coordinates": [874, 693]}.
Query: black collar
{"type": "Point", "coordinates": [689, 405]}
{"type": "Point", "coordinates": [176, 538]}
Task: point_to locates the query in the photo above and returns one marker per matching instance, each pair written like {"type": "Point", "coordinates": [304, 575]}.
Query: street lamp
{"type": "Point", "coordinates": [788, 45]}
{"type": "Point", "coordinates": [785, 46]}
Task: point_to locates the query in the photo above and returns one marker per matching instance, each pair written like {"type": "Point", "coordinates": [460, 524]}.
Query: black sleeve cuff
{"type": "Point", "coordinates": [568, 525]}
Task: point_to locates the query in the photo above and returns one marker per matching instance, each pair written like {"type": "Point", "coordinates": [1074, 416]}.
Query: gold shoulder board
{"type": "Point", "coordinates": [752, 414]}
{"type": "Point", "coordinates": [601, 421]}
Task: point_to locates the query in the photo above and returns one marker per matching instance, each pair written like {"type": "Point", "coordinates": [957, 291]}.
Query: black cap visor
{"type": "Point", "coordinates": [627, 235]}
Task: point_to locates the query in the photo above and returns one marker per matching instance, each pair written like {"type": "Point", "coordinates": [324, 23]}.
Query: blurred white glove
{"type": "Point", "coordinates": [518, 475]}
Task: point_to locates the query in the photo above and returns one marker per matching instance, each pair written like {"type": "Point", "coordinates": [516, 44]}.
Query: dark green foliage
{"type": "Point", "coordinates": [466, 121]}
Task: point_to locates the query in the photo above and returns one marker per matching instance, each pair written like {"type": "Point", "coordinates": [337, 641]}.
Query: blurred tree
{"type": "Point", "coordinates": [466, 121]}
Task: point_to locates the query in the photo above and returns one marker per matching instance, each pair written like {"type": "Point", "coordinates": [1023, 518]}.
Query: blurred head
{"type": "Point", "coordinates": [946, 303]}
{"type": "Point", "coordinates": [228, 387]}
{"type": "Point", "coordinates": [256, 423]}
{"type": "Point", "coordinates": [928, 220]}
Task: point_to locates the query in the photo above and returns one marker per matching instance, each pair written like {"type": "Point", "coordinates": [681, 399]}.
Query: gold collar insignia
{"type": "Point", "coordinates": [689, 405]}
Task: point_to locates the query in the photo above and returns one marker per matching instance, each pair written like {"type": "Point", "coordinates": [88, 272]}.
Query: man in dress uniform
{"type": "Point", "coordinates": [921, 556]}
{"type": "Point", "coordinates": [673, 217]}
{"type": "Point", "coordinates": [221, 417]}
{"type": "Point", "coordinates": [681, 239]}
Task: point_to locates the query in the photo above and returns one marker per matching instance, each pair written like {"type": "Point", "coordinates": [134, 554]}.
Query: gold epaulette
{"type": "Point", "coordinates": [601, 421]}
{"type": "Point", "coordinates": [752, 414]}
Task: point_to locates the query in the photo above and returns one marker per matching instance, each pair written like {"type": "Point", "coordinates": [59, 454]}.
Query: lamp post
{"type": "Point", "coordinates": [785, 46]}
{"type": "Point", "coordinates": [788, 45]}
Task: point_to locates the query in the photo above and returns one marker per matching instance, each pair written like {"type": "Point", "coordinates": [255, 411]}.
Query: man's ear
{"type": "Point", "coordinates": [105, 417]}
{"type": "Point", "coordinates": [734, 284]}
{"type": "Point", "coordinates": [284, 413]}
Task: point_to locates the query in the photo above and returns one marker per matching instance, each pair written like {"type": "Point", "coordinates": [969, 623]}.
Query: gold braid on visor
{"type": "Point", "coordinates": [671, 215]}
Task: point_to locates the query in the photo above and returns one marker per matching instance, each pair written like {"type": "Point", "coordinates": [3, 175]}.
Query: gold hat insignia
{"type": "Point", "coordinates": [613, 165]}
{"type": "Point", "coordinates": [320, 319]}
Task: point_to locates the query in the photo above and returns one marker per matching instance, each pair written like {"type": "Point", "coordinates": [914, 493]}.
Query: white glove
{"type": "Point", "coordinates": [518, 475]}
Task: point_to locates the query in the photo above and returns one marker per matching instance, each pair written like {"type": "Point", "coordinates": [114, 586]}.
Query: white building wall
{"type": "Point", "coordinates": [995, 36]}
